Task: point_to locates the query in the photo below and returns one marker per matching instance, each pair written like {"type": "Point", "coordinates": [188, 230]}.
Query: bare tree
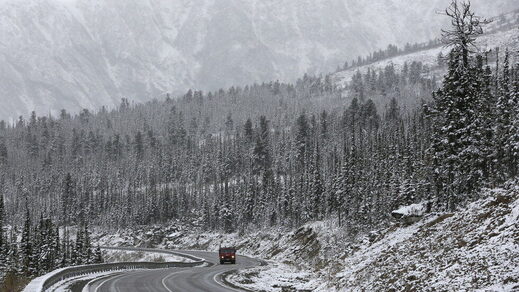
{"type": "Point", "coordinates": [466, 26]}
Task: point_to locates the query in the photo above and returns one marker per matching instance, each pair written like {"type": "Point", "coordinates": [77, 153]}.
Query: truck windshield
{"type": "Point", "coordinates": [227, 250]}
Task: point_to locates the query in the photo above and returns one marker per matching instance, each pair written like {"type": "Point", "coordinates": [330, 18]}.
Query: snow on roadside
{"type": "Point", "coordinates": [37, 283]}
{"type": "Point", "coordinates": [275, 278]}
{"type": "Point", "coordinates": [112, 256]}
{"type": "Point", "coordinates": [64, 286]}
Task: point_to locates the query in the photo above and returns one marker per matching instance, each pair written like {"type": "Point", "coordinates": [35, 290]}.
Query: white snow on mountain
{"type": "Point", "coordinates": [77, 54]}
{"type": "Point", "coordinates": [502, 39]}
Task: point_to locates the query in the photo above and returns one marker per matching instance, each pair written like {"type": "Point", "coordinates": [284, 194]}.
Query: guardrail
{"type": "Point", "coordinates": [188, 256]}
{"type": "Point", "coordinates": [41, 284]}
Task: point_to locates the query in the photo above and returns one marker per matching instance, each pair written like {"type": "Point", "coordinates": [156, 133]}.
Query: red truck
{"type": "Point", "coordinates": [227, 255]}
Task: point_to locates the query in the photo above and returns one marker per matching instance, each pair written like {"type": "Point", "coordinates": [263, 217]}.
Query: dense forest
{"type": "Point", "coordinates": [260, 155]}
{"type": "Point", "coordinates": [272, 154]}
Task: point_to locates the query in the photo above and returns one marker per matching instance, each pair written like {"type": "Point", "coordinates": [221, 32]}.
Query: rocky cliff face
{"type": "Point", "coordinates": [76, 54]}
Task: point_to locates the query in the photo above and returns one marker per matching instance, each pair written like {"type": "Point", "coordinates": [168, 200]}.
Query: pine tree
{"type": "Point", "coordinates": [3, 243]}
{"type": "Point", "coordinates": [317, 187]}
{"type": "Point", "coordinates": [45, 247]}
{"type": "Point", "coordinates": [229, 124]}
{"type": "Point", "coordinates": [13, 259]}
{"type": "Point", "coordinates": [3, 152]}
{"type": "Point", "coordinates": [248, 131]}
{"type": "Point", "coordinates": [250, 201]}
{"type": "Point", "coordinates": [226, 217]}
{"type": "Point", "coordinates": [324, 125]}
{"type": "Point", "coordinates": [139, 146]}
{"type": "Point", "coordinates": [57, 248]}
{"type": "Point", "coordinates": [67, 197]}
{"type": "Point", "coordinates": [88, 255]}
{"type": "Point", "coordinates": [343, 187]}
{"type": "Point", "coordinates": [302, 140]}
{"type": "Point", "coordinates": [458, 147]}
{"type": "Point", "coordinates": [393, 111]}
{"type": "Point", "coordinates": [78, 256]}
{"type": "Point", "coordinates": [512, 143]}
{"type": "Point", "coordinates": [98, 255]}
{"type": "Point", "coordinates": [66, 250]}
{"type": "Point", "coordinates": [27, 264]}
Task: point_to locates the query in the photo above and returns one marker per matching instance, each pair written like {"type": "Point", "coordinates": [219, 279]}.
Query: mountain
{"type": "Point", "coordinates": [77, 54]}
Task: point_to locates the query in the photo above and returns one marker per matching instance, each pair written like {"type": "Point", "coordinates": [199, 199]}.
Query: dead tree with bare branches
{"type": "Point", "coordinates": [466, 26]}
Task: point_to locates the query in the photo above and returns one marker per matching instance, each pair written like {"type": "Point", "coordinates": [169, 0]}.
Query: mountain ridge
{"type": "Point", "coordinates": [76, 54]}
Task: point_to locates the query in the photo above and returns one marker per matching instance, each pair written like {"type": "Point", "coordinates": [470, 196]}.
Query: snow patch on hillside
{"type": "Point", "coordinates": [114, 256]}
{"type": "Point", "coordinates": [411, 210]}
{"type": "Point", "coordinates": [275, 277]}
{"type": "Point", "coordinates": [502, 39]}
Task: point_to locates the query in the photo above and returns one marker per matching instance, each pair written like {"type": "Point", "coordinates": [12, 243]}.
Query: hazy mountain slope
{"type": "Point", "coordinates": [86, 53]}
{"type": "Point", "coordinates": [503, 39]}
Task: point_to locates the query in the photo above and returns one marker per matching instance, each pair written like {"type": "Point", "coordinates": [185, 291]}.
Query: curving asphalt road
{"type": "Point", "coordinates": [197, 279]}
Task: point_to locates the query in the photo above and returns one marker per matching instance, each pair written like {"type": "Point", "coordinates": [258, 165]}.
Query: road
{"type": "Point", "coordinates": [197, 279]}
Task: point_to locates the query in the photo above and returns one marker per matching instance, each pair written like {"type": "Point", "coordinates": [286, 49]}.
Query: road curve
{"type": "Point", "coordinates": [197, 279]}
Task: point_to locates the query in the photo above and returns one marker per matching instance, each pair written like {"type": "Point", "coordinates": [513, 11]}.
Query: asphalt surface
{"type": "Point", "coordinates": [197, 279]}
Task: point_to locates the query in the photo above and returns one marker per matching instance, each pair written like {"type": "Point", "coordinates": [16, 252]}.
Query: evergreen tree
{"type": "Point", "coordinates": [87, 253]}
{"type": "Point", "coordinates": [459, 147]}
{"type": "Point", "coordinates": [66, 256]}
{"type": "Point", "coordinates": [317, 196]}
{"type": "Point", "coordinates": [98, 255]}
{"type": "Point", "coordinates": [139, 146]}
{"type": "Point", "coordinates": [512, 141]}
{"type": "Point", "coordinates": [27, 263]}
{"type": "Point", "coordinates": [302, 140]}
{"type": "Point", "coordinates": [67, 197]}
{"type": "Point", "coordinates": [4, 247]}
{"type": "Point", "coordinates": [3, 152]}
{"type": "Point", "coordinates": [248, 131]}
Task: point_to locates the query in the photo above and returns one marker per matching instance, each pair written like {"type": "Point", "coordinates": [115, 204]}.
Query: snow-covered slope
{"type": "Point", "coordinates": [503, 39]}
{"type": "Point", "coordinates": [477, 248]}
{"type": "Point", "coordinates": [86, 53]}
